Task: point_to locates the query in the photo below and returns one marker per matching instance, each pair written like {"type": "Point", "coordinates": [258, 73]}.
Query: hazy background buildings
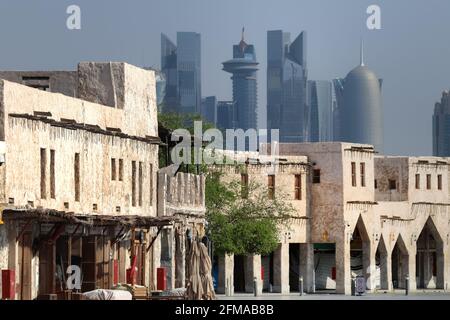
{"type": "Point", "coordinates": [441, 126]}
{"type": "Point", "coordinates": [286, 86]}
{"type": "Point", "coordinates": [415, 72]}
{"type": "Point", "coordinates": [181, 66]}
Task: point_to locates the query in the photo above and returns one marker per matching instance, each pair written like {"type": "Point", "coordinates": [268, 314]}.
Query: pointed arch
{"type": "Point", "coordinates": [382, 263]}
{"type": "Point", "coordinates": [399, 263]}
{"type": "Point", "coordinates": [430, 257]}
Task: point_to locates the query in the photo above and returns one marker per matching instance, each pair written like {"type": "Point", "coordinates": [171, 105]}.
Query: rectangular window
{"type": "Point", "coordinates": [363, 174]}
{"type": "Point", "coordinates": [141, 179]}
{"type": "Point", "coordinates": [120, 169]}
{"type": "Point", "coordinates": [392, 185]}
{"type": "Point", "coordinates": [353, 174]}
{"type": "Point", "coordinates": [133, 183]}
{"type": "Point", "coordinates": [244, 185]}
{"type": "Point", "coordinates": [43, 173]}
{"type": "Point", "coordinates": [316, 176]}
{"type": "Point", "coordinates": [113, 169]}
{"type": "Point", "coordinates": [417, 181]}
{"type": "Point", "coordinates": [52, 174]}
{"type": "Point", "coordinates": [298, 187]}
{"type": "Point", "coordinates": [151, 183]}
{"type": "Point", "coordinates": [271, 186]}
{"type": "Point", "coordinates": [376, 184]}
{"type": "Point", "coordinates": [77, 176]}
{"type": "Point", "coordinates": [439, 181]}
{"type": "Point", "coordinates": [428, 181]}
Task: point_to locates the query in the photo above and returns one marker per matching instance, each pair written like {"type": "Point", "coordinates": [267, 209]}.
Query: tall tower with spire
{"type": "Point", "coordinates": [360, 108]}
{"type": "Point", "coordinates": [243, 69]}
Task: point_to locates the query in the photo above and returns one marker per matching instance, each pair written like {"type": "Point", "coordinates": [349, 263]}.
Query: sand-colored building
{"type": "Point", "coordinates": [359, 214]}
{"type": "Point", "coordinates": [79, 181]}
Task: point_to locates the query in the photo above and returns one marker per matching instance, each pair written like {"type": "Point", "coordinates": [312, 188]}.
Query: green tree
{"type": "Point", "coordinates": [235, 224]}
{"type": "Point", "coordinates": [243, 225]}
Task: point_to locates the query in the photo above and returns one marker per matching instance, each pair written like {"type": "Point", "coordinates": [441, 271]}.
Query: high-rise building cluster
{"type": "Point", "coordinates": [302, 109]}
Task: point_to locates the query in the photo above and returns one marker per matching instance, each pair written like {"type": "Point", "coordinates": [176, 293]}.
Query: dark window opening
{"type": "Point", "coordinates": [428, 181]}
{"type": "Point", "coordinates": [141, 178]}
{"type": "Point", "coordinates": [113, 169]}
{"type": "Point", "coordinates": [316, 176]}
{"type": "Point", "coordinates": [271, 187]}
{"type": "Point", "coordinates": [392, 185]}
{"type": "Point", "coordinates": [363, 174]}
{"type": "Point", "coordinates": [298, 187]}
{"type": "Point", "coordinates": [77, 176]}
{"type": "Point", "coordinates": [120, 169]}
{"type": "Point", "coordinates": [43, 173]}
{"type": "Point", "coordinates": [417, 181]}
{"type": "Point", "coordinates": [133, 183]}
{"type": "Point", "coordinates": [52, 174]}
{"type": "Point", "coordinates": [439, 181]}
{"type": "Point", "coordinates": [353, 174]}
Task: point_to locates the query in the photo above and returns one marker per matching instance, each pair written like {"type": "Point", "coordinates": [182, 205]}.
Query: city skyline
{"type": "Point", "coordinates": [415, 74]}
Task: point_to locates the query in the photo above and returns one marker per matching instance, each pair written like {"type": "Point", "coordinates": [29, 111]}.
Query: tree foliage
{"type": "Point", "coordinates": [235, 224]}
{"type": "Point", "coordinates": [243, 225]}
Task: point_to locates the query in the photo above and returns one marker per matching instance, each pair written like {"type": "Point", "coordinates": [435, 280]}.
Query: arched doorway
{"type": "Point", "coordinates": [360, 251]}
{"type": "Point", "coordinates": [430, 258]}
{"type": "Point", "coordinates": [381, 260]}
{"type": "Point", "coordinates": [400, 266]}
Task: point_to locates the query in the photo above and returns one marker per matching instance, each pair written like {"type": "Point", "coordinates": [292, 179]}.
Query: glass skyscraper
{"type": "Point", "coordinates": [320, 106]}
{"type": "Point", "coordinates": [286, 86]}
{"type": "Point", "coordinates": [181, 65]}
{"type": "Point", "coordinates": [225, 115]}
{"type": "Point", "coordinates": [243, 68]}
{"type": "Point", "coordinates": [209, 109]}
{"type": "Point", "coordinates": [441, 126]}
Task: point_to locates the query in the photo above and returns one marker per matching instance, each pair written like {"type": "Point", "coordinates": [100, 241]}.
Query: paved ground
{"type": "Point", "coordinates": [399, 295]}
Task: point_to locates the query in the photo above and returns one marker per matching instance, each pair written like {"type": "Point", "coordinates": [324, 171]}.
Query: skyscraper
{"type": "Point", "coordinates": [286, 86]}
{"type": "Point", "coordinates": [225, 115]}
{"type": "Point", "coordinates": [320, 106]}
{"type": "Point", "coordinates": [338, 90]}
{"type": "Point", "coordinates": [181, 65]}
{"type": "Point", "coordinates": [209, 109]}
{"type": "Point", "coordinates": [243, 68]}
{"type": "Point", "coordinates": [361, 110]}
{"type": "Point", "coordinates": [169, 69]}
{"type": "Point", "coordinates": [441, 126]}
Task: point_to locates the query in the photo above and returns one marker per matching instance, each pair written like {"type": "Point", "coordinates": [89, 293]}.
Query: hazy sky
{"type": "Point", "coordinates": [411, 52]}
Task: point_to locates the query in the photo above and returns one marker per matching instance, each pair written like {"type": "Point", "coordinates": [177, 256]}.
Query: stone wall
{"type": "Point", "coordinates": [97, 153]}
{"type": "Point", "coordinates": [64, 82]}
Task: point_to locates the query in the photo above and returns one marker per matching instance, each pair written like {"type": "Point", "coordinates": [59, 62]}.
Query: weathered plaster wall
{"type": "Point", "coordinates": [64, 82]}
{"type": "Point", "coordinates": [138, 115]}
{"type": "Point", "coordinates": [296, 229]}
{"type": "Point", "coordinates": [23, 169]}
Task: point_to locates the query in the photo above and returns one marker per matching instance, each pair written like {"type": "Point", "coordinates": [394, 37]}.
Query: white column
{"type": "Point", "coordinates": [252, 271]}
{"type": "Point", "coordinates": [343, 272]}
{"type": "Point", "coordinates": [307, 266]}
{"type": "Point", "coordinates": [281, 269]}
{"type": "Point", "coordinates": [226, 271]}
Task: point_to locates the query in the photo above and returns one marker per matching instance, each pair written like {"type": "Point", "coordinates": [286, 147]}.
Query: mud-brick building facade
{"type": "Point", "coordinates": [383, 218]}
{"type": "Point", "coordinates": [79, 180]}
